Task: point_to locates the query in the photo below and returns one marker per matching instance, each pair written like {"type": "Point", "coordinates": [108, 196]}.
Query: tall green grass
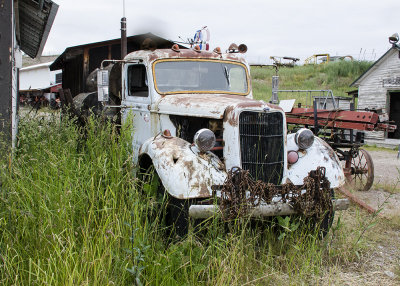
{"type": "Point", "coordinates": [71, 213]}
{"type": "Point", "coordinates": [336, 76]}
{"type": "Point", "coordinates": [64, 204]}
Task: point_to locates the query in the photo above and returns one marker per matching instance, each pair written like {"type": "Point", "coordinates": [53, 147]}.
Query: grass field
{"type": "Point", "coordinates": [71, 213]}
{"type": "Point", "coordinates": [335, 76]}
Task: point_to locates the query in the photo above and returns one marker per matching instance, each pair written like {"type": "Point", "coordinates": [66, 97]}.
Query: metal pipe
{"type": "Point", "coordinates": [315, 117]}
{"type": "Point", "coordinates": [124, 44]}
{"type": "Point", "coordinates": [116, 61]}
{"type": "Point", "coordinates": [206, 211]}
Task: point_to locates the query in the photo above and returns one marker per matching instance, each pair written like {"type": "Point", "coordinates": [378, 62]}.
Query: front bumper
{"type": "Point", "coordinates": [265, 210]}
{"type": "Point", "coordinates": [241, 195]}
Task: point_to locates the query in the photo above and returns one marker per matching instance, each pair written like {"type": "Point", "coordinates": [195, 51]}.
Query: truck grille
{"type": "Point", "coordinates": [262, 145]}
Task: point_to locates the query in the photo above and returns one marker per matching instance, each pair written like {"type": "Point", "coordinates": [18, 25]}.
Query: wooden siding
{"type": "Point", "coordinates": [372, 93]}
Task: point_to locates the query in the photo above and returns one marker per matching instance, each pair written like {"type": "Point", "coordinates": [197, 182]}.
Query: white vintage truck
{"type": "Point", "coordinates": [195, 120]}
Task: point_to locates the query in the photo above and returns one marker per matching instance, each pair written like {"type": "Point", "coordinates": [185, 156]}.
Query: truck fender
{"type": "Point", "coordinates": [320, 154]}
{"type": "Point", "coordinates": [184, 172]}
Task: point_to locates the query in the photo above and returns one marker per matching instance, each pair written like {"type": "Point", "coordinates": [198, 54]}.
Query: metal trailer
{"type": "Point", "coordinates": [344, 132]}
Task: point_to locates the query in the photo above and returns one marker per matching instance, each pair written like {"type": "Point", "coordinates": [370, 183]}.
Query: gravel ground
{"type": "Point", "coordinates": [385, 192]}
{"type": "Point", "coordinates": [381, 265]}
{"type": "Point", "coordinates": [387, 166]}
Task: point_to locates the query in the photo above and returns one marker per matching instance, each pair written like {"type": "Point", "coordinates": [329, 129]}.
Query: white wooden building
{"type": "Point", "coordinates": [38, 77]}
{"type": "Point", "coordinates": [379, 88]}
{"type": "Point", "coordinates": [24, 26]}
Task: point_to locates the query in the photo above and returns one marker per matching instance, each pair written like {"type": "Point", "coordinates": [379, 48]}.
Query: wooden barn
{"type": "Point", "coordinates": [78, 62]}
{"type": "Point", "coordinates": [379, 88]}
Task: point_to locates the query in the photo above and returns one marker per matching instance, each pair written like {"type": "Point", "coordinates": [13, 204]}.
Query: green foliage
{"type": "Point", "coordinates": [287, 226]}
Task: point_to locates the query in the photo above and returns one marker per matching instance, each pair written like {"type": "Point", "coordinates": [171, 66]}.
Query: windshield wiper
{"type": "Point", "coordinates": [227, 75]}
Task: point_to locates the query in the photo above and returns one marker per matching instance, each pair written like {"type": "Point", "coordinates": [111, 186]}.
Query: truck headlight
{"type": "Point", "coordinates": [204, 139]}
{"type": "Point", "coordinates": [304, 138]}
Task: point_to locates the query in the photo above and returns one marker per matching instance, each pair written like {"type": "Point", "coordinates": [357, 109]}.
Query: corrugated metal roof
{"type": "Point", "coordinates": [34, 22]}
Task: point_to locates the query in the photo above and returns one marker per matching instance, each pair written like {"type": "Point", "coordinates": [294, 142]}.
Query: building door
{"type": "Point", "coordinates": [394, 113]}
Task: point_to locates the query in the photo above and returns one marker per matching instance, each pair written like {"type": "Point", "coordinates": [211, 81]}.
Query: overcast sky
{"type": "Point", "coordinates": [269, 28]}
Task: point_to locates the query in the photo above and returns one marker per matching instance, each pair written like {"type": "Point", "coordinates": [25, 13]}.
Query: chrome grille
{"type": "Point", "coordinates": [262, 145]}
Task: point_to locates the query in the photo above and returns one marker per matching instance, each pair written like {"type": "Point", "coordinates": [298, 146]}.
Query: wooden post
{"type": "Point", "coordinates": [6, 67]}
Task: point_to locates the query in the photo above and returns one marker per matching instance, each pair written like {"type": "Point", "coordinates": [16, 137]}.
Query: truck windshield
{"type": "Point", "coordinates": [200, 76]}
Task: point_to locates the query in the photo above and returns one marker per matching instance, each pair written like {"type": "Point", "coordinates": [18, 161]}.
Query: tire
{"type": "Point", "coordinates": [177, 217]}
{"type": "Point", "coordinates": [172, 212]}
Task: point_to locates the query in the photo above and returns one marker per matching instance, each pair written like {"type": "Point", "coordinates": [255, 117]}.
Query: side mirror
{"type": "Point", "coordinates": [102, 85]}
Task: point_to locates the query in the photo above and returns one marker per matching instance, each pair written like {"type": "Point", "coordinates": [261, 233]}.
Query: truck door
{"type": "Point", "coordinates": [137, 102]}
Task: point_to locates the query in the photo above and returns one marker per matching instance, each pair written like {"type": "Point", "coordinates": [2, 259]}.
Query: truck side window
{"type": "Point", "coordinates": [137, 81]}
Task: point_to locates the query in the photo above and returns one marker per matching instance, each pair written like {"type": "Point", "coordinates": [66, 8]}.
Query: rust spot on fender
{"type": "Point", "coordinates": [230, 116]}
{"type": "Point", "coordinates": [204, 190]}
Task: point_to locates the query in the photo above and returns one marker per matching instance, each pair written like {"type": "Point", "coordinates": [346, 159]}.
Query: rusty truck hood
{"type": "Point", "coordinates": [207, 105]}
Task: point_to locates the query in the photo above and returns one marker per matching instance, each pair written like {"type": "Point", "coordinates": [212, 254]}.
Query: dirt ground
{"type": "Point", "coordinates": [381, 263]}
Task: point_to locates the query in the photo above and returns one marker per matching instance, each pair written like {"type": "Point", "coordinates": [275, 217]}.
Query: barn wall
{"type": "Point", "coordinates": [34, 78]}
{"type": "Point", "coordinates": [372, 93]}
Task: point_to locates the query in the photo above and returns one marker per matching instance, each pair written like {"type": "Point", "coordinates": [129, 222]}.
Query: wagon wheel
{"type": "Point", "coordinates": [360, 171]}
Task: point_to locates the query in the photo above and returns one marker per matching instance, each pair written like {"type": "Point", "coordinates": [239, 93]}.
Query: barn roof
{"type": "Point", "coordinates": [38, 66]}
{"type": "Point", "coordinates": [374, 65]}
{"type": "Point", "coordinates": [33, 23]}
{"type": "Point", "coordinates": [71, 52]}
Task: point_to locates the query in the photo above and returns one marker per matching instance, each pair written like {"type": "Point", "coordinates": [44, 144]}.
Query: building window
{"type": "Point", "coordinates": [58, 78]}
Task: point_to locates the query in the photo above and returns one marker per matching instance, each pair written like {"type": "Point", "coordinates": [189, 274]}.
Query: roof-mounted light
{"type": "Point", "coordinates": [175, 48]}
{"type": "Point", "coordinates": [233, 48]}
{"type": "Point", "coordinates": [197, 48]}
{"type": "Point", "coordinates": [217, 50]}
{"type": "Point", "coordinates": [242, 48]}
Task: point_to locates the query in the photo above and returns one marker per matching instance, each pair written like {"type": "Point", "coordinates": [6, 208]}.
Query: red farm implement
{"type": "Point", "coordinates": [344, 131]}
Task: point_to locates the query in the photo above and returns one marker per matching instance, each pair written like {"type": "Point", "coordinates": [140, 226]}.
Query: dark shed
{"type": "Point", "coordinates": [79, 61]}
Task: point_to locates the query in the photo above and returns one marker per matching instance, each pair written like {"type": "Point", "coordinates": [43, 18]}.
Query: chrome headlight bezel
{"type": "Point", "coordinates": [204, 139]}
{"type": "Point", "coordinates": [304, 138]}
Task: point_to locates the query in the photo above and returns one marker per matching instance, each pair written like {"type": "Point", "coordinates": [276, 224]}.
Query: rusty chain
{"type": "Point", "coordinates": [312, 199]}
